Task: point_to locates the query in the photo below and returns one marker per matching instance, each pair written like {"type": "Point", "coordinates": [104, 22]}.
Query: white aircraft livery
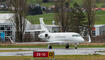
{"type": "Point", "coordinates": [60, 37]}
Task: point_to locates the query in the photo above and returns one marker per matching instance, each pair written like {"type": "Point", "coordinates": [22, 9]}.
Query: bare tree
{"type": "Point", "coordinates": [90, 12]}
{"type": "Point", "coordinates": [20, 9]}
{"type": "Point", "coordinates": [62, 14]}
{"type": "Point", "coordinates": [69, 18]}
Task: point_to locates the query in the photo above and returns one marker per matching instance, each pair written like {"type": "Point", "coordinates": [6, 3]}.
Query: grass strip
{"type": "Point", "coordinates": [54, 46]}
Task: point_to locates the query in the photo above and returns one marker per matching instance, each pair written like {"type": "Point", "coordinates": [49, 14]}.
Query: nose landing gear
{"type": "Point", "coordinates": [76, 45]}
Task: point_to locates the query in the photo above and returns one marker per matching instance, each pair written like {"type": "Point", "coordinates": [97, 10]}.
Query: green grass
{"type": "Point", "coordinates": [100, 12]}
{"type": "Point", "coordinates": [80, 57]}
{"type": "Point", "coordinates": [34, 19]}
{"type": "Point", "coordinates": [100, 19]}
{"type": "Point", "coordinates": [99, 5]}
{"type": "Point", "coordinates": [6, 12]}
{"type": "Point", "coordinates": [26, 46]}
{"type": "Point", "coordinates": [60, 57]}
{"type": "Point", "coordinates": [100, 15]}
{"type": "Point", "coordinates": [54, 46]}
{"type": "Point", "coordinates": [48, 4]}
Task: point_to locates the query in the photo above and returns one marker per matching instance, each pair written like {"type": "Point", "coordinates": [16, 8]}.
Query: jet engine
{"type": "Point", "coordinates": [45, 35]}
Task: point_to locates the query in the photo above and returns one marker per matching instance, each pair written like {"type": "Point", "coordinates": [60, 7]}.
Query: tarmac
{"type": "Point", "coordinates": [57, 51]}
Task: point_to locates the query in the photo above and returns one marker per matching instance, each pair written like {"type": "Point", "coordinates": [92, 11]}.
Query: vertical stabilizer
{"type": "Point", "coordinates": [43, 26]}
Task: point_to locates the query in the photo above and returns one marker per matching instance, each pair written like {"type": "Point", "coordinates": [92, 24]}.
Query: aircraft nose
{"type": "Point", "coordinates": [40, 36]}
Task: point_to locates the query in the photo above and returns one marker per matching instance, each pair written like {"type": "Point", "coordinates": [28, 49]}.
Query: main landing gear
{"type": "Point", "coordinates": [67, 46]}
{"type": "Point", "coordinates": [49, 47]}
{"type": "Point", "coordinates": [76, 46]}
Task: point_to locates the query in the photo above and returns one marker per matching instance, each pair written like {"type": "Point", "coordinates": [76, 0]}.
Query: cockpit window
{"type": "Point", "coordinates": [75, 35]}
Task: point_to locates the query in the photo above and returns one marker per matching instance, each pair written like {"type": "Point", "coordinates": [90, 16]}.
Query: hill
{"type": "Point", "coordinates": [34, 19]}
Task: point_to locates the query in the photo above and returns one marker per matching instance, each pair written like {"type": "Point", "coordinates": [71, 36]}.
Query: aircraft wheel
{"type": "Point", "coordinates": [50, 47]}
{"type": "Point", "coordinates": [67, 46]}
{"type": "Point", "coordinates": [76, 47]}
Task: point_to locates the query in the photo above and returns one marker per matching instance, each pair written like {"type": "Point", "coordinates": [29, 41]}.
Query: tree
{"type": "Point", "coordinates": [90, 12]}
{"type": "Point", "coordinates": [78, 19]}
{"type": "Point", "coordinates": [20, 10]}
{"type": "Point", "coordinates": [62, 14]}
{"type": "Point", "coordinates": [69, 18]}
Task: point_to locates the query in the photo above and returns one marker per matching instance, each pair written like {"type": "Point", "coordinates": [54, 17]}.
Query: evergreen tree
{"type": "Point", "coordinates": [78, 19]}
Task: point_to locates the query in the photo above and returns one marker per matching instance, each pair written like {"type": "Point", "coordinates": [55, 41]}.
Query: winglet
{"type": "Point", "coordinates": [89, 39]}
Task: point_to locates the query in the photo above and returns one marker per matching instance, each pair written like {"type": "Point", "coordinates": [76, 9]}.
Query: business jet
{"type": "Point", "coordinates": [60, 37]}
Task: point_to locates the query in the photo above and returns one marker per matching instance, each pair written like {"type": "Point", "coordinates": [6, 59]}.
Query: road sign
{"type": "Point", "coordinates": [40, 54]}
{"type": "Point", "coordinates": [51, 55]}
{"type": "Point", "coordinates": [43, 54]}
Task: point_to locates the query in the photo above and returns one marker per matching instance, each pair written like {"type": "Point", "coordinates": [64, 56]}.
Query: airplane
{"type": "Point", "coordinates": [60, 37]}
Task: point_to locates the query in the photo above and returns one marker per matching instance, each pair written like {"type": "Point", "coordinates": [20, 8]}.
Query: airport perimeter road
{"type": "Point", "coordinates": [80, 51]}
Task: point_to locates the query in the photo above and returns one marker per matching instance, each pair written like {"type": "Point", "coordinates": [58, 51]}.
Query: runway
{"type": "Point", "coordinates": [57, 51]}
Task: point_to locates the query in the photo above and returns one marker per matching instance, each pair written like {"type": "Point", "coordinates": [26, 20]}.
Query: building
{"type": "Point", "coordinates": [7, 26]}
{"type": "Point", "coordinates": [98, 30]}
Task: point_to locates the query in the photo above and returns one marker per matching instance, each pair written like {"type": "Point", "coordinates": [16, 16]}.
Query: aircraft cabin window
{"type": "Point", "coordinates": [75, 35]}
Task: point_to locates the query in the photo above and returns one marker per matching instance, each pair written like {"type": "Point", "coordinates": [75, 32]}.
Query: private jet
{"type": "Point", "coordinates": [60, 37]}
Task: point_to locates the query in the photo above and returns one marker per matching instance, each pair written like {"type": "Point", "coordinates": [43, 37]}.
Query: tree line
{"type": "Point", "coordinates": [75, 19]}
{"type": "Point", "coordinates": [69, 18]}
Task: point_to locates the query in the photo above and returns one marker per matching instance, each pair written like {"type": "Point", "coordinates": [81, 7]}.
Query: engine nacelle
{"type": "Point", "coordinates": [44, 36]}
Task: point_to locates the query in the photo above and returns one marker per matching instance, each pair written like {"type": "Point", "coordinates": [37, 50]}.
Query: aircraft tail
{"type": "Point", "coordinates": [43, 26]}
